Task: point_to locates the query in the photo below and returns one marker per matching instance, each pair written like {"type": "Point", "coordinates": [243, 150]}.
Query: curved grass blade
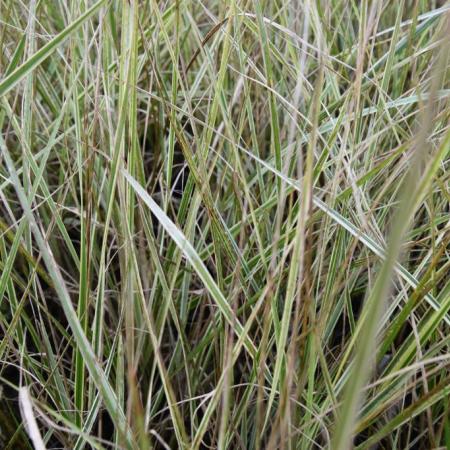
{"type": "Point", "coordinates": [41, 55]}
{"type": "Point", "coordinates": [192, 256]}
{"type": "Point", "coordinates": [96, 372]}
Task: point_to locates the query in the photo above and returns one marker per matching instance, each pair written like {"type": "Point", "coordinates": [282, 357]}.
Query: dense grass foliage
{"type": "Point", "coordinates": [224, 224]}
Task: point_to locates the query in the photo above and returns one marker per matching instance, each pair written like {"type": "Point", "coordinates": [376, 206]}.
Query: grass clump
{"type": "Point", "coordinates": [224, 224]}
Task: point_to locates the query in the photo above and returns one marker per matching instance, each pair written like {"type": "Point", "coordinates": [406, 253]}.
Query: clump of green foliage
{"type": "Point", "coordinates": [224, 224]}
